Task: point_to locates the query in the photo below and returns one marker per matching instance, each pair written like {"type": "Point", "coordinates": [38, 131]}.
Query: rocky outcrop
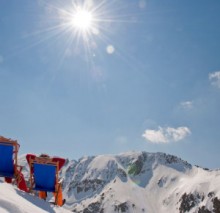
{"type": "Point", "coordinates": [189, 201]}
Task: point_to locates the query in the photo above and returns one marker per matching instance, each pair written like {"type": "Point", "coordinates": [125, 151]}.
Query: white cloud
{"type": "Point", "coordinates": [166, 135]}
{"type": "Point", "coordinates": [215, 78]}
{"type": "Point", "coordinates": [186, 104]}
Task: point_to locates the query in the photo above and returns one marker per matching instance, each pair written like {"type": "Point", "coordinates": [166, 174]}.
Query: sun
{"type": "Point", "coordinates": [82, 19]}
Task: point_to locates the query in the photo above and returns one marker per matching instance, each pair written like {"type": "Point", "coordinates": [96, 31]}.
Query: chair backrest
{"type": "Point", "coordinates": [44, 175]}
{"type": "Point", "coordinates": [8, 157]}
{"type": "Point", "coordinates": [6, 161]}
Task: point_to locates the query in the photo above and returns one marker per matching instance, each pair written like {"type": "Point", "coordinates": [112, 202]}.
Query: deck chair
{"type": "Point", "coordinates": [9, 168]}
{"type": "Point", "coordinates": [8, 158]}
{"type": "Point", "coordinates": [44, 176]}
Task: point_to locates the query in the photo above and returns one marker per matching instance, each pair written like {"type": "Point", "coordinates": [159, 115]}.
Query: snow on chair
{"type": "Point", "coordinates": [9, 167]}
{"type": "Point", "coordinates": [44, 176]}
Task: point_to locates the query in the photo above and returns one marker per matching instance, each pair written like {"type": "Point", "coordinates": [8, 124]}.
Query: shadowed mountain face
{"type": "Point", "coordinates": [138, 182]}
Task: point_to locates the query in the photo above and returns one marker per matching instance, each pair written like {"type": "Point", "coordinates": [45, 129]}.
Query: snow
{"type": "Point", "coordinates": [138, 182]}
{"type": "Point", "coordinates": [128, 182]}
{"type": "Point", "coordinates": [14, 200]}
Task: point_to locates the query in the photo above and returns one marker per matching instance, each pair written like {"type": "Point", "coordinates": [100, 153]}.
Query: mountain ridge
{"type": "Point", "coordinates": [139, 182]}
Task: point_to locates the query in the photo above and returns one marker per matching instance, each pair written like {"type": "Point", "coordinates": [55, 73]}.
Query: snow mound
{"type": "Point", "coordinates": [13, 200]}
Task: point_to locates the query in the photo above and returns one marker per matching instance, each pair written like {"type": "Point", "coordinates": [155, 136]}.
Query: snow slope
{"type": "Point", "coordinates": [13, 200]}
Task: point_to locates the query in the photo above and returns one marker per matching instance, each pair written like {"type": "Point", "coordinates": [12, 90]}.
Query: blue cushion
{"type": "Point", "coordinates": [6, 161]}
{"type": "Point", "coordinates": [44, 177]}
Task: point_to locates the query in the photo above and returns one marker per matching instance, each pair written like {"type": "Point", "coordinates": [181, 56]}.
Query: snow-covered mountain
{"type": "Point", "coordinates": [138, 182]}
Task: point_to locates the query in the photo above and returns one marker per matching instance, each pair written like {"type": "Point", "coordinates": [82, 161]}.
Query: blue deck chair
{"type": "Point", "coordinates": [8, 157]}
{"type": "Point", "coordinates": [43, 175]}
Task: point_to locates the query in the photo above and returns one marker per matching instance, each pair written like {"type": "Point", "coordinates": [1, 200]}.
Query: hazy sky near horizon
{"type": "Point", "coordinates": [141, 75]}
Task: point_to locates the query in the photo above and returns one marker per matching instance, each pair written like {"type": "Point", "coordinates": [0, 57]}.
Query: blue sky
{"type": "Point", "coordinates": [145, 76]}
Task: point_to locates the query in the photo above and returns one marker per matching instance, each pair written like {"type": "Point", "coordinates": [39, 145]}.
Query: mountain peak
{"type": "Point", "coordinates": [138, 182]}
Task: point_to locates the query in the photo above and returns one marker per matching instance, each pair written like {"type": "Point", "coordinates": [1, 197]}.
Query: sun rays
{"type": "Point", "coordinates": [83, 29]}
